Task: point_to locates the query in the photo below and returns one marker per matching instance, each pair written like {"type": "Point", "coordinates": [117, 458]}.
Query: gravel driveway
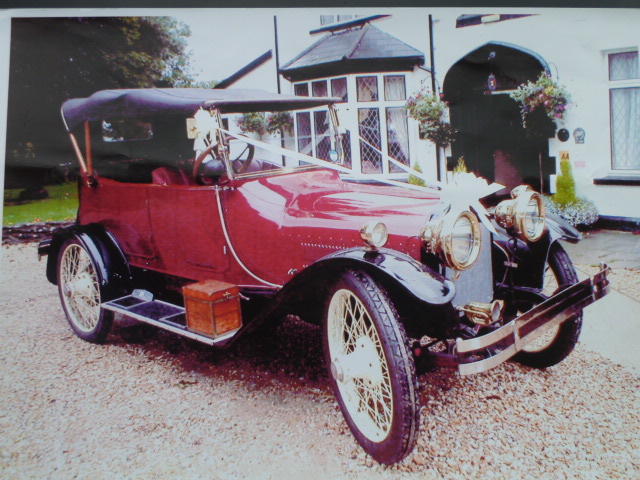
{"type": "Point", "coordinates": [172, 408]}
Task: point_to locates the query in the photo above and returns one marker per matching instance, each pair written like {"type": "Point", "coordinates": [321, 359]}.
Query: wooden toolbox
{"type": "Point", "coordinates": [213, 307]}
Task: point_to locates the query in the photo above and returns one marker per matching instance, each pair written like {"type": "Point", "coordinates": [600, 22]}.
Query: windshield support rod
{"type": "Point", "coordinates": [76, 148]}
{"type": "Point", "coordinates": [87, 148]}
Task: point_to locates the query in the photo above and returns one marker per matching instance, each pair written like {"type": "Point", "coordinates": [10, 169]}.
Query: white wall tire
{"type": "Point", "coordinates": [370, 367]}
{"type": "Point", "coordinates": [80, 293]}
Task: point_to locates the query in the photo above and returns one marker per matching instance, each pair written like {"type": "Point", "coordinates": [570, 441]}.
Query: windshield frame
{"type": "Point", "coordinates": [222, 140]}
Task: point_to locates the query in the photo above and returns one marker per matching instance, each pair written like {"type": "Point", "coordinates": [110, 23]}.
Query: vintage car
{"type": "Point", "coordinates": [190, 225]}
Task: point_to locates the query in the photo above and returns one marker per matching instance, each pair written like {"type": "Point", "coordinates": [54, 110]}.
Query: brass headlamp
{"type": "Point", "coordinates": [523, 214]}
{"type": "Point", "coordinates": [454, 238]}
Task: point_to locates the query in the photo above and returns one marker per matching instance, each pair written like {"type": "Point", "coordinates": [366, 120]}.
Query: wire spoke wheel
{"type": "Point", "coordinates": [359, 365]}
{"type": "Point", "coordinates": [371, 369]}
{"type": "Point", "coordinates": [549, 288]}
{"type": "Point", "coordinates": [79, 289]}
{"type": "Point", "coordinates": [558, 341]}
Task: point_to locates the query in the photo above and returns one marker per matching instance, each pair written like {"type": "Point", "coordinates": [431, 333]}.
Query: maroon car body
{"type": "Point", "coordinates": [218, 243]}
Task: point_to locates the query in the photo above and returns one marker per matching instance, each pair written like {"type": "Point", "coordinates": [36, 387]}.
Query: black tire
{"type": "Point", "coordinates": [395, 369]}
{"type": "Point", "coordinates": [564, 341]}
{"type": "Point", "coordinates": [80, 293]}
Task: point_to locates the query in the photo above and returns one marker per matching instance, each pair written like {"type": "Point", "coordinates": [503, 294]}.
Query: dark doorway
{"type": "Point", "coordinates": [491, 137]}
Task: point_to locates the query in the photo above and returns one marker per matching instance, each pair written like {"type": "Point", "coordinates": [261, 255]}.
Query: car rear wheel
{"type": "Point", "coordinates": [80, 295]}
{"type": "Point", "coordinates": [555, 344]}
{"type": "Point", "coordinates": [371, 370]}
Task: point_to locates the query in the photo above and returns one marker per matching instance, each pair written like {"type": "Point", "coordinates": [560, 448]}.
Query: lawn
{"type": "Point", "coordinates": [62, 204]}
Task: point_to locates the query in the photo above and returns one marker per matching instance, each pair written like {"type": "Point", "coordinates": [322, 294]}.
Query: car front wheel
{"type": "Point", "coordinates": [79, 289]}
{"type": "Point", "coordinates": [556, 343]}
{"type": "Point", "coordinates": [371, 370]}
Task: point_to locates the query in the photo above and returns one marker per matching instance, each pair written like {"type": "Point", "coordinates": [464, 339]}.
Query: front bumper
{"type": "Point", "coordinates": [506, 341]}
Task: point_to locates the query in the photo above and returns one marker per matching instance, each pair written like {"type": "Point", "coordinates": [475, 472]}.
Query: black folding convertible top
{"type": "Point", "coordinates": [126, 103]}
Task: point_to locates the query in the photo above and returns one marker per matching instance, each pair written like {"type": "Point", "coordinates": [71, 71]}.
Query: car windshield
{"type": "Point", "coordinates": [269, 142]}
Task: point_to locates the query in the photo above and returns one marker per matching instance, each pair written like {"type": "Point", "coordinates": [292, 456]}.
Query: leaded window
{"type": "Point", "coordinates": [397, 137]}
{"type": "Point", "coordinates": [367, 88]}
{"type": "Point", "coordinates": [322, 138]}
{"type": "Point", "coordinates": [394, 87]}
{"type": "Point", "coordinates": [303, 127]}
{"type": "Point", "coordinates": [301, 89]}
{"type": "Point", "coordinates": [370, 141]}
{"type": "Point", "coordinates": [319, 88]}
{"type": "Point", "coordinates": [624, 104]}
{"type": "Point", "coordinates": [339, 88]}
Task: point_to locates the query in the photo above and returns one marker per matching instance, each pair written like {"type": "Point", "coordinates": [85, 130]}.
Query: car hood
{"type": "Point", "coordinates": [322, 195]}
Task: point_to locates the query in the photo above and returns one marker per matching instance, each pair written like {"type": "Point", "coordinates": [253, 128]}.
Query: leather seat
{"type": "Point", "coordinates": [170, 176]}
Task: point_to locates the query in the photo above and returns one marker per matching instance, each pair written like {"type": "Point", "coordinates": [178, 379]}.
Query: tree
{"type": "Point", "coordinates": [53, 59]}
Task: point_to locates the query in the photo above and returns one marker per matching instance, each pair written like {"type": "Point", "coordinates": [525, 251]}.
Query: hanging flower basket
{"type": "Point", "coordinates": [430, 112]}
{"type": "Point", "coordinates": [544, 97]}
{"type": "Point", "coordinates": [280, 122]}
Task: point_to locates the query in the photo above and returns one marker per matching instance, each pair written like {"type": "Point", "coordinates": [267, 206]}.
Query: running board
{"type": "Point", "coordinates": [141, 306]}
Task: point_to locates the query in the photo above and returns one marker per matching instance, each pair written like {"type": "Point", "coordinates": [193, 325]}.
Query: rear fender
{"type": "Point", "coordinates": [111, 264]}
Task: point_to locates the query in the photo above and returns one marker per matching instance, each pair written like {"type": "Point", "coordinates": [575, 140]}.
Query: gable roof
{"type": "Point", "coordinates": [348, 51]}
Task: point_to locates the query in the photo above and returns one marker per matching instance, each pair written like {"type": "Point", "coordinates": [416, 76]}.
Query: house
{"type": "Point", "coordinates": [376, 62]}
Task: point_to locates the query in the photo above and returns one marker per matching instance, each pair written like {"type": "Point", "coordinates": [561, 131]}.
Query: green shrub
{"type": "Point", "coordinates": [565, 185]}
{"type": "Point", "coordinates": [565, 203]}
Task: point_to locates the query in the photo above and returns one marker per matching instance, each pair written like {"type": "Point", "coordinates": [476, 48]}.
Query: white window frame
{"type": "Point", "coordinates": [348, 114]}
{"type": "Point", "coordinates": [612, 85]}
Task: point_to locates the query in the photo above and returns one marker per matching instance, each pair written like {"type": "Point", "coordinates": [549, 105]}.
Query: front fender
{"type": "Point", "coordinates": [531, 258]}
{"type": "Point", "coordinates": [397, 268]}
{"type": "Point", "coordinates": [560, 229]}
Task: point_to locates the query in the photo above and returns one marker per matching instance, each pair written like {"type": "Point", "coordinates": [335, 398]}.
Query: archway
{"type": "Point", "coordinates": [491, 137]}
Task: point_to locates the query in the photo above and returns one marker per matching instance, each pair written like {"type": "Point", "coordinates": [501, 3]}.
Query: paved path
{"type": "Point", "coordinates": [612, 325]}
{"type": "Point", "coordinates": [616, 249]}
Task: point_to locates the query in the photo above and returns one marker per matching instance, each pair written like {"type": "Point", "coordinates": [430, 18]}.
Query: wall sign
{"type": "Point", "coordinates": [579, 134]}
{"type": "Point", "coordinates": [563, 134]}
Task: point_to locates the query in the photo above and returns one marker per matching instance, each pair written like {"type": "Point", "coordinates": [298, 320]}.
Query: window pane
{"type": "Point", "coordinates": [303, 124]}
{"type": "Point", "coordinates": [126, 130]}
{"type": "Point", "coordinates": [369, 129]}
{"type": "Point", "coordinates": [623, 66]}
{"type": "Point", "coordinates": [367, 89]}
{"type": "Point", "coordinates": [346, 148]}
{"type": "Point", "coordinates": [625, 125]}
{"type": "Point", "coordinates": [397, 137]}
{"type": "Point", "coordinates": [322, 140]}
{"type": "Point", "coordinates": [301, 89]}
{"type": "Point", "coordinates": [327, 19]}
{"type": "Point", "coordinates": [339, 88]}
{"type": "Point", "coordinates": [319, 89]}
{"type": "Point", "coordinates": [394, 88]}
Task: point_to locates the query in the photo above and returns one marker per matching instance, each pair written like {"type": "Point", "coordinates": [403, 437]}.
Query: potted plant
{"type": "Point", "coordinates": [430, 112]}
{"type": "Point", "coordinates": [542, 103]}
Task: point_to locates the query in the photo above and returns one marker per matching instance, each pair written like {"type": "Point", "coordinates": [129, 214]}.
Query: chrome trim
{"type": "Point", "coordinates": [233, 250]}
{"type": "Point", "coordinates": [531, 324]}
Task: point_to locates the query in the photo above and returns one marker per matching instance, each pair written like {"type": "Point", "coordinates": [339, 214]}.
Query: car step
{"type": "Point", "coordinates": [140, 305]}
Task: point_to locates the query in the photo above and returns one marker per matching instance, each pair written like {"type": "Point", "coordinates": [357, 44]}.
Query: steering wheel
{"type": "Point", "coordinates": [243, 162]}
{"type": "Point", "coordinates": [210, 150]}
